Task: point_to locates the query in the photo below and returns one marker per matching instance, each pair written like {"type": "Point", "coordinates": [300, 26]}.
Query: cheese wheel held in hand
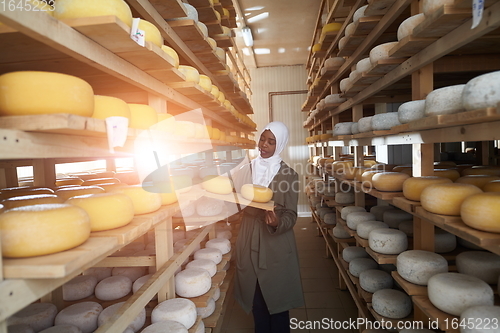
{"type": "Point", "coordinates": [256, 193]}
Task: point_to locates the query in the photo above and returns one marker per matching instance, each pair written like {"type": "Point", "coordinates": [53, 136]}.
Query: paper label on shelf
{"type": "Point", "coordinates": [139, 36]}
{"type": "Point", "coordinates": [477, 12]}
{"type": "Point", "coordinates": [117, 129]}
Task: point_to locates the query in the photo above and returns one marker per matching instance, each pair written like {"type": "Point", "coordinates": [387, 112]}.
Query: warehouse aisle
{"type": "Point", "coordinates": [324, 301]}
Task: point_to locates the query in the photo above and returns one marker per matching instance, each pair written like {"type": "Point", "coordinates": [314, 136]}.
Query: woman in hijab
{"type": "Point", "coordinates": [267, 267]}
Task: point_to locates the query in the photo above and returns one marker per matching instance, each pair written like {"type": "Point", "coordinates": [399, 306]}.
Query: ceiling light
{"type": "Point", "coordinates": [246, 32]}
{"type": "Point", "coordinates": [258, 17]}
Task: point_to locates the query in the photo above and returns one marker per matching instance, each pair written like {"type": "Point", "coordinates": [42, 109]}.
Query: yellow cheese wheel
{"type": "Point", "coordinates": [225, 11]}
{"type": "Point", "coordinates": [172, 54]}
{"type": "Point", "coordinates": [106, 210]}
{"type": "Point", "coordinates": [10, 192]}
{"type": "Point", "coordinates": [256, 193]}
{"type": "Point", "coordinates": [97, 181]}
{"type": "Point", "coordinates": [108, 187]}
{"type": "Point", "coordinates": [42, 229]}
{"type": "Point", "coordinates": [221, 98]}
{"type": "Point", "coordinates": [493, 186]}
{"type": "Point", "coordinates": [389, 181]}
{"type": "Point", "coordinates": [215, 91]}
{"type": "Point", "coordinates": [451, 174]}
{"type": "Point", "coordinates": [221, 54]}
{"type": "Point", "coordinates": [212, 42]}
{"type": "Point", "coordinates": [185, 129]}
{"type": "Point", "coordinates": [166, 123]}
{"type": "Point", "coordinates": [69, 181]}
{"type": "Point", "coordinates": [107, 106]}
{"type": "Point", "coordinates": [217, 184]}
{"type": "Point", "coordinates": [205, 82]}
{"type": "Point", "coordinates": [66, 9]}
{"type": "Point", "coordinates": [482, 211]}
{"type": "Point", "coordinates": [358, 172]}
{"type": "Point", "coordinates": [166, 191]}
{"type": "Point", "coordinates": [142, 116]}
{"type": "Point", "coordinates": [482, 170]}
{"type": "Point", "coordinates": [342, 166]}
{"type": "Point", "coordinates": [227, 105]}
{"type": "Point", "coordinates": [68, 192]}
{"type": "Point", "coordinates": [366, 177]}
{"type": "Point", "coordinates": [182, 183]}
{"type": "Point", "coordinates": [200, 132]}
{"type": "Point", "coordinates": [369, 163]}
{"type": "Point", "coordinates": [143, 201]}
{"type": "Point", "coordinates": [21, 94]}
{"type": "Point", "coordinates": [445, 198]}
{"type": "Point", "coordinates": [151, 32]}
{"type": "Point", "coordinates": [477, 180]}
{"type": "Point", "coordinates": [190, 73]}
{"type": "Point", "coordinates": [331, 27]}
{"type": "Point", "coordinates": [215, 134]}
{"type": "Point", "coordinates": [413, 186]}
{"type": "Point", "coordinates": [445, 164]}
{"type": "Point", "coordinates": [27, 200]}
{"type": "Point", "coordinates": [222, 136]}
{"type": "Point", "coordinates": [209, 131]}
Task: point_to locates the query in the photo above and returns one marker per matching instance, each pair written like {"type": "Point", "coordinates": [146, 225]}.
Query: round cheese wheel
{"type": "Point", "coordinates": [379, 211]}
{"type": "Point", "coordinates": [97, 181]}
{"type": "Point", "coordinates": [344, 83]}
{"type": "Point", "coordinates": [444, 241]}
{"type": "Point", "coordinates": [365, 124]}
{"type": "Point", "coordinates": [192, 13]}
{"type": "Point", "coordinates": [353, 252]}
{"type": "Point", "coordinates": [323, 211]}
{"type": "Point", "coordinates": [406, 27]}
{"type": "Point", "coordinates": [67, 192]}
{"type": "Point", "coordinates": [79, 287]}
{"type": "Point", "coordinates": [344, 212]}
{"type": "Point", "coordinates": [113, 288]}
{"type": "Point", "coordinates": [82, 315]}
{"type": "Point", "coordinates": [363, 229]}
{"type": "Point", "coordinates": [445, 100]}
{"type": "Point", "coordinates": [59, 329]}
{"type": "Point", "coordinates": [381, 52]}
{"type": "Point", "coordinates": [446, 199]}
{"type": "Point", "coordinates": [221, 98]}
{"type": "Point", "coordinates": [411, 111]}
{"type": "Point", "coordinates": [353, 219]}
{"type": "Point", "coordinates": [393, 217]}
{"type": "Point", "coordinates": [330, 218]}
{"type": "Point", "coordinates": [481, 264]}
{"type": "Point", "coordinates": [475, 315]}
{"type": "Point", "coordinates": [482, 91]}
{"type": "Point", "coordinates": [256, 193]}
{"type": "Point", "coordinates": [331, 27]}
{"type": "Point", "coordinates": [430, 6]}
{"type": "Point", "coordinates": [385, 121]}
{"type": "Point", "coordinates": [192, 282]}
{"type": "Point", "coordinates": [340, 232]}
{"type": "Point", "coordinates": [138, 283]}
{"type": "Point", "coordinates": [388, 241]}
{"type": "Point", "coordinates": [181, 310]}
{"type": "Point", "coordinates": [224, 245]}
{"type": "Point", "coordinates": [68, 9]}
{"type": "Point", "coordinates": [207, 264]}
{"type": "Point", "coordinates": [355, 129]}
{"type": "Point", "coordinates": [481, 211]}
{"type": "Point", "coordinates": [215, 91]}
{"type": "Point", "coordinates": [413, 186]}
{"type": "Point", "coordinates": [211, 253]}
{"type": "Point", "coordinates": [182, 183]}
{"type": "Point", "coordinates": [389, 181]}
{"type": "Point", "coordinates": [108, 312]}
{"type": "Point", "coordinates": [10, 192]}
{"type": "Point", "coordinates": [350, 29]}
{"type": "Point", "coordinates": [334, 99]}
{"type": "Point", "coordinates": [453, 293]}
{"type": "Point", "coordinates": [142, 116]}
{"type": "Point", "coordinates": [172, 54]}
{"type": "Point", "coordinates": [343, 128]}
{"type": "Point", "coordinates": [20, 94]}
{"type": "Point", "coordinates": [143, 201]}
{"type": "Point", "coordinates": [359, 13]}
{"type": "Point", "coordinates": [477, 180]}
{"type": "Point", "coordinates": [68, 181]}
{"type": "Point", "coordinates": [221, 54]}
{"type": "Point", "coordinates": [151, 33]}
{"type": "Point", "coordinates": [372, 280]}
{"type": "Point", "coordinates": [203, 28]}
{"type": "Point", "coordinates": [493, 186]}
{"type": "Point", "coordinates": [170, 326]}
{"type": "Point", "coordinates": [209, 206]}
{"type": "Point", "coordinates": [208, 310]}
{"type": "Point", "coordinates": [42, 229]}
{"type": "Point", "coordinates": [392, 303]}
{"type": "Point", "coordinates": [358, 265]}
{"type": "Point", "coordinates": [190, 73]}
{"type": "Point", "coordinates": [28, 200]}
{"type": "Point", "coordinates": [481, 170]}
{"type": "Point", "coordinates": [418, 266]}
{"type": "Point", "coordinates": [38, 316]}
{"type": "Point", "coordinates": [217, 184]}
{"type": "Point", "coordinates": [216, 294]}
{"type": "Point", "coordinates": [354, 75]}
{"type": "Point", "coordinates": [205, 82]}
{"type": "Point", "coordinates": [344, 198]}
{"type": "Point", "coordinates": [451, 174]}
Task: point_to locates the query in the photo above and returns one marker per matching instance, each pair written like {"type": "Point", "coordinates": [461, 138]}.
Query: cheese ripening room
{"type": "Point", "coordinates": [249, 166]}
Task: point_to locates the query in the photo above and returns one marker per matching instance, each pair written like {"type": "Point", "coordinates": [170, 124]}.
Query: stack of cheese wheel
{"type": "Point", "coordinates": [418, 266]}
{"type": "Point", "coordinates": [389, 181]}
{"type": "Point", "coordinates": [480, 211]}
{"type": "Point", "coordinates": [446, 198]}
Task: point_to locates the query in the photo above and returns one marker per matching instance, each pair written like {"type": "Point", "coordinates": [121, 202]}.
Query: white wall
{"type": "Point", "coordinates": [285, 108]}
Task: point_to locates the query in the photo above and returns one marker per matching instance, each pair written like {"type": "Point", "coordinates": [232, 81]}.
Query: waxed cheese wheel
{"type": "Point", "coordinates": [108, 312]}
{"type": "Point", "coordinates": [107, 106]}
{"type": "Point", "coordinates": [446, 199]}
{"type": "Point", "coordinates": [28, 200]}
{"type": "Point", "coordinates": [113, 288]}
{"type": "Point", "coordinates": [181, 310]}
{"type": "Point", "coordinates": [353, 219]}
{"type": "Point", "coordinates": [340, 232]}
{"type": "Point", "coordinates": [68, 9]}
{"type": "Point", "coordinates": [172, 54]}
{"type": "Point", "coordinates": [413, 186]}
{"type": "Point", "coordinates": [406, 27]}
{"type": "Point", "coordinates": [411, 111]}
{"type": "Point", "coordinates": [482, 170]}
{"type": "Point", "coordinates": [79, 287]}
{"type": "Point", "coordinates": [353, 252]}
{"type": "Point", "coordinates": [493, 186]}
{"type": "Point", "coordinates": [10, 192]}
{"type": "Point", "coordinates": [151, 32]}
{"type": "Point", "coordinates": [20, 94]}
{"type": "Point", "coordinates": [481, 264]}
{"type": "Point", "coordinates": [365, 124]}
{"type": "Point", "coordinates": [164, 326]}
{"type": "Point", "coordinates": [59, 329]}
{"type": "Point", "coordinates": [477, 180]}
{"type": "Point", "coordinates": [482, 318]}
{"type": "Point", "coordinates": [205, 82]}
{"type": "Point", "coordinates": [256, 193]}
{"type": "Point", "coordinates": [481, 211]}
{"type": "Point", "coordinates": [190, 73]}
{"type": "Point", "coordinates": [451, 174]}
{"type": "Point", "coordinates": [192, 282]}
{"type": "Point", "coordinates": [68, 192]}
{"type": "Point", "coordinates": [418, 266]}
{"type": "Point", "coordinates": [482, 91]}
{"type": "Point", "coordinates": [143, 201]}
{"type": "Point", "coordinates": [381, 52]}
{"type": "Point", "coordinates": [42, 229]}
{"type": "Point", "coordinates": [372, 280]}
{"type": "Point", "coordinates": [453, 293]}
{"type": "Point", "coordinates": [82, 315]}
{"type": "Point", "coordinates": [385, 121]}
{"type": "Point", "coordinates": [388, 241]}
{"type": "Point", "coordinates": [389, 181]}
{"type": "Point", "coordinates": [391, 303]}
{"type": "Point", "coordinates": [358, 265]}
{"type": "Point", "coordinates": [393, 217]}
{"type": "Point", "coordinates": [38, 316]}
{"type": "Point", "coordinates": [445, 100]}
{"type": "Point", "coordinates": [363, 229]}
{"type": "Point", "coordinates": [345, 211]}
{"type": "Point", "coordinates": [142, 116]}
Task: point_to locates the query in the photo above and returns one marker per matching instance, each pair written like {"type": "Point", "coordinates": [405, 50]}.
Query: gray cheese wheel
{"type": "Point", "coordinates": [79, 287]}
{"type": "Point", "coordinates": [38, 316]}
{"type": "Point", "coordinates": [385, 121]}
{"type": "Point", "coordinates": [444, 241]}
{"type": "Point", "coordinates": [445, 100]}
{"type": "Point", "coordinates": [388, 241]}
{"type": "Point", "coordinates": [344, 198]}
{"type": "Point", "coordinates": [365, 227]}
{"type": "Point", "coordinates": [82, 315]}
{"type": "Point", "coordinates": [482, 319]}
{"type": "Point", "coordinates": [406, 227]}
{"type": "Point", "coordinates": [108, 312]}
{"type": "Point", "coordinates": [113, 287]}
{"type": "Point", "coordinates": [406, 27]}
{"type": "Point", "coordinates": [482, 91]}
{"type": "Point", "coordinates": [342, 128]}
{"type": "Point", "coordinates": [340, 232]}
{"type": "Point", "coordinates": [350, 209]}
{"type": "Point", "coordinates": [391, 303]}
{"type": "Point", "coordinates": [411, 111]}
{"type": "Point", "coordinates": [379, 211]}
{"type": "Point", "coordinates": [394, 217]}
{"type": "Point", "coordinates": [453, 293]}
{"type": "Point", "coordinates": [481, 264]}
{"type": "Point", "coordinates": [330, 218]}
{"type": "Point", "coordinates": [358, 265]}
{"type": "Point", "coordinates": [418, 266]}
{"type": "Point", "coordinates": [353, 252]}
{"type": "Point", "coordinates": [365, 124]}
{"type": "Point", "coordinates": [353, 219]}
{"type": "Point", "coordinates": [373, 280]}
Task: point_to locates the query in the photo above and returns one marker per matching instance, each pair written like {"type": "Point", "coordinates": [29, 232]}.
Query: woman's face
{"type": "Point", "coordinates": [267, 144]}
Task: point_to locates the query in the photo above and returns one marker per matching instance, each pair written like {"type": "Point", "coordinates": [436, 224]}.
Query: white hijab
{"type": "Point", "coordinates": [264, 169]}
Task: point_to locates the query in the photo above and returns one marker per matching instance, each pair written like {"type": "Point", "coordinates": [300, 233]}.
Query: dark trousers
{"type": "Point", "coordinates": [265, 322]}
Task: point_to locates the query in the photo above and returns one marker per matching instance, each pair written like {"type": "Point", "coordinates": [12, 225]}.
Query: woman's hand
{"type": "Point", "coordinates": [272, 219]}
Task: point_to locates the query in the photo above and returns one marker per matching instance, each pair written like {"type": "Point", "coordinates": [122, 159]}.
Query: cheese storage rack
{"type": "Point", "coordinates": [99, 51]}
{"type": "Point", "coordinates": [443, 50]}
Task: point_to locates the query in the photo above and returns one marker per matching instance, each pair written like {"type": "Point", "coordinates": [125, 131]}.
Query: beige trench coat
{"type": "Point", "coordinates": [269, 254]}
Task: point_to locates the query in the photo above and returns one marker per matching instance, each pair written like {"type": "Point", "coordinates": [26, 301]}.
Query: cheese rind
{"type": "Point", "coordinates": [411, 111]}
{"type": "Point", "coordinates": [358, 265]}
{"type": "Point", "coordinates": [82, 315]}
{"type": "Point", "coordinates": [413, 187]}
{"type": "Point", "coordinates": [113, 288]}
{"type": "Point", "coordinates": [107, 106]}
{"type": "Point", "coordinates": [445, 100]}
{"type": "Point", "coordinates": [446, 199]}
{"type": "Point", "coordinates": [406, 27]}
{"type": "Point", "coordinates": [28, 200]}
{"type": "Point", "coordinates": [67, 9]}
{"type": "Point", "coordinates": [142, 116]}
{"type": "Point", "coordinates": [392, 303]}
{"type": "Point", "coordinates": [354, 218]}
{"type": "Point", "coordinates": [79, 287]}
{"type": "Point", "coordinates": [389, 181]}
{"type": "Point", "coordinates": [364, 228]}
{"type": "Point", "coordinates": [192, 282]}
{"type": "Point", "coordinates": [38, 316]}
{"type": "Point", "coordinates": [481, 264]}
{"type": "Point", "coordinates": [418, 266]}
{"type": "Point", "coordinates": [222, 244]}
{"type": "Point", "coordinates": [388, 241]}
{"type": "Point", "coordinates": [482, 91]}
{"type": "Point", "coordinates": [181, 310]}
{"type": "Point", "coordinates": [481, 211]}
{"type": "Point", "coordinates": [256, 193]}
{"type": "Point", "coordinates": [372, 280]}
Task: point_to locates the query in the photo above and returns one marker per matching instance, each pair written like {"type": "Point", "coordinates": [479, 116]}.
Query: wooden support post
{"type": "Point", "coordinates": [8, 177]}
{"type": "Point", "coordinates": [110, 164]}
{"type": "Point", "coordinates": [44, 173]}
{"type": "Point", "coordinates": [423, 159]}
{"type": "Point", "coordinates": [164, 250]}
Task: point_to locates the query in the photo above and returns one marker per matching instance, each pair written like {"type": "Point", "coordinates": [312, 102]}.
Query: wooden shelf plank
{"type": "Point", "coordinates": [410, 46]}
{"type": "Point", "coordinates": [361, 241]}
{"type": "Point", "coordinates": [405, 204]}
{"type": "Point", "coordinates": [379, 7]}
{"type": "Point", "coordinates": [390, 321]}
{"type": "Point", "coordinates": [410, 288]}
{"type": "Point", "coordinates": [443, 319]}
{"type": "Point", "coordinates": [442, 21]}
{"type": "Point", "coordinates": [169, 8]}
{"type": "Point", "coordinates": [384, 66]}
